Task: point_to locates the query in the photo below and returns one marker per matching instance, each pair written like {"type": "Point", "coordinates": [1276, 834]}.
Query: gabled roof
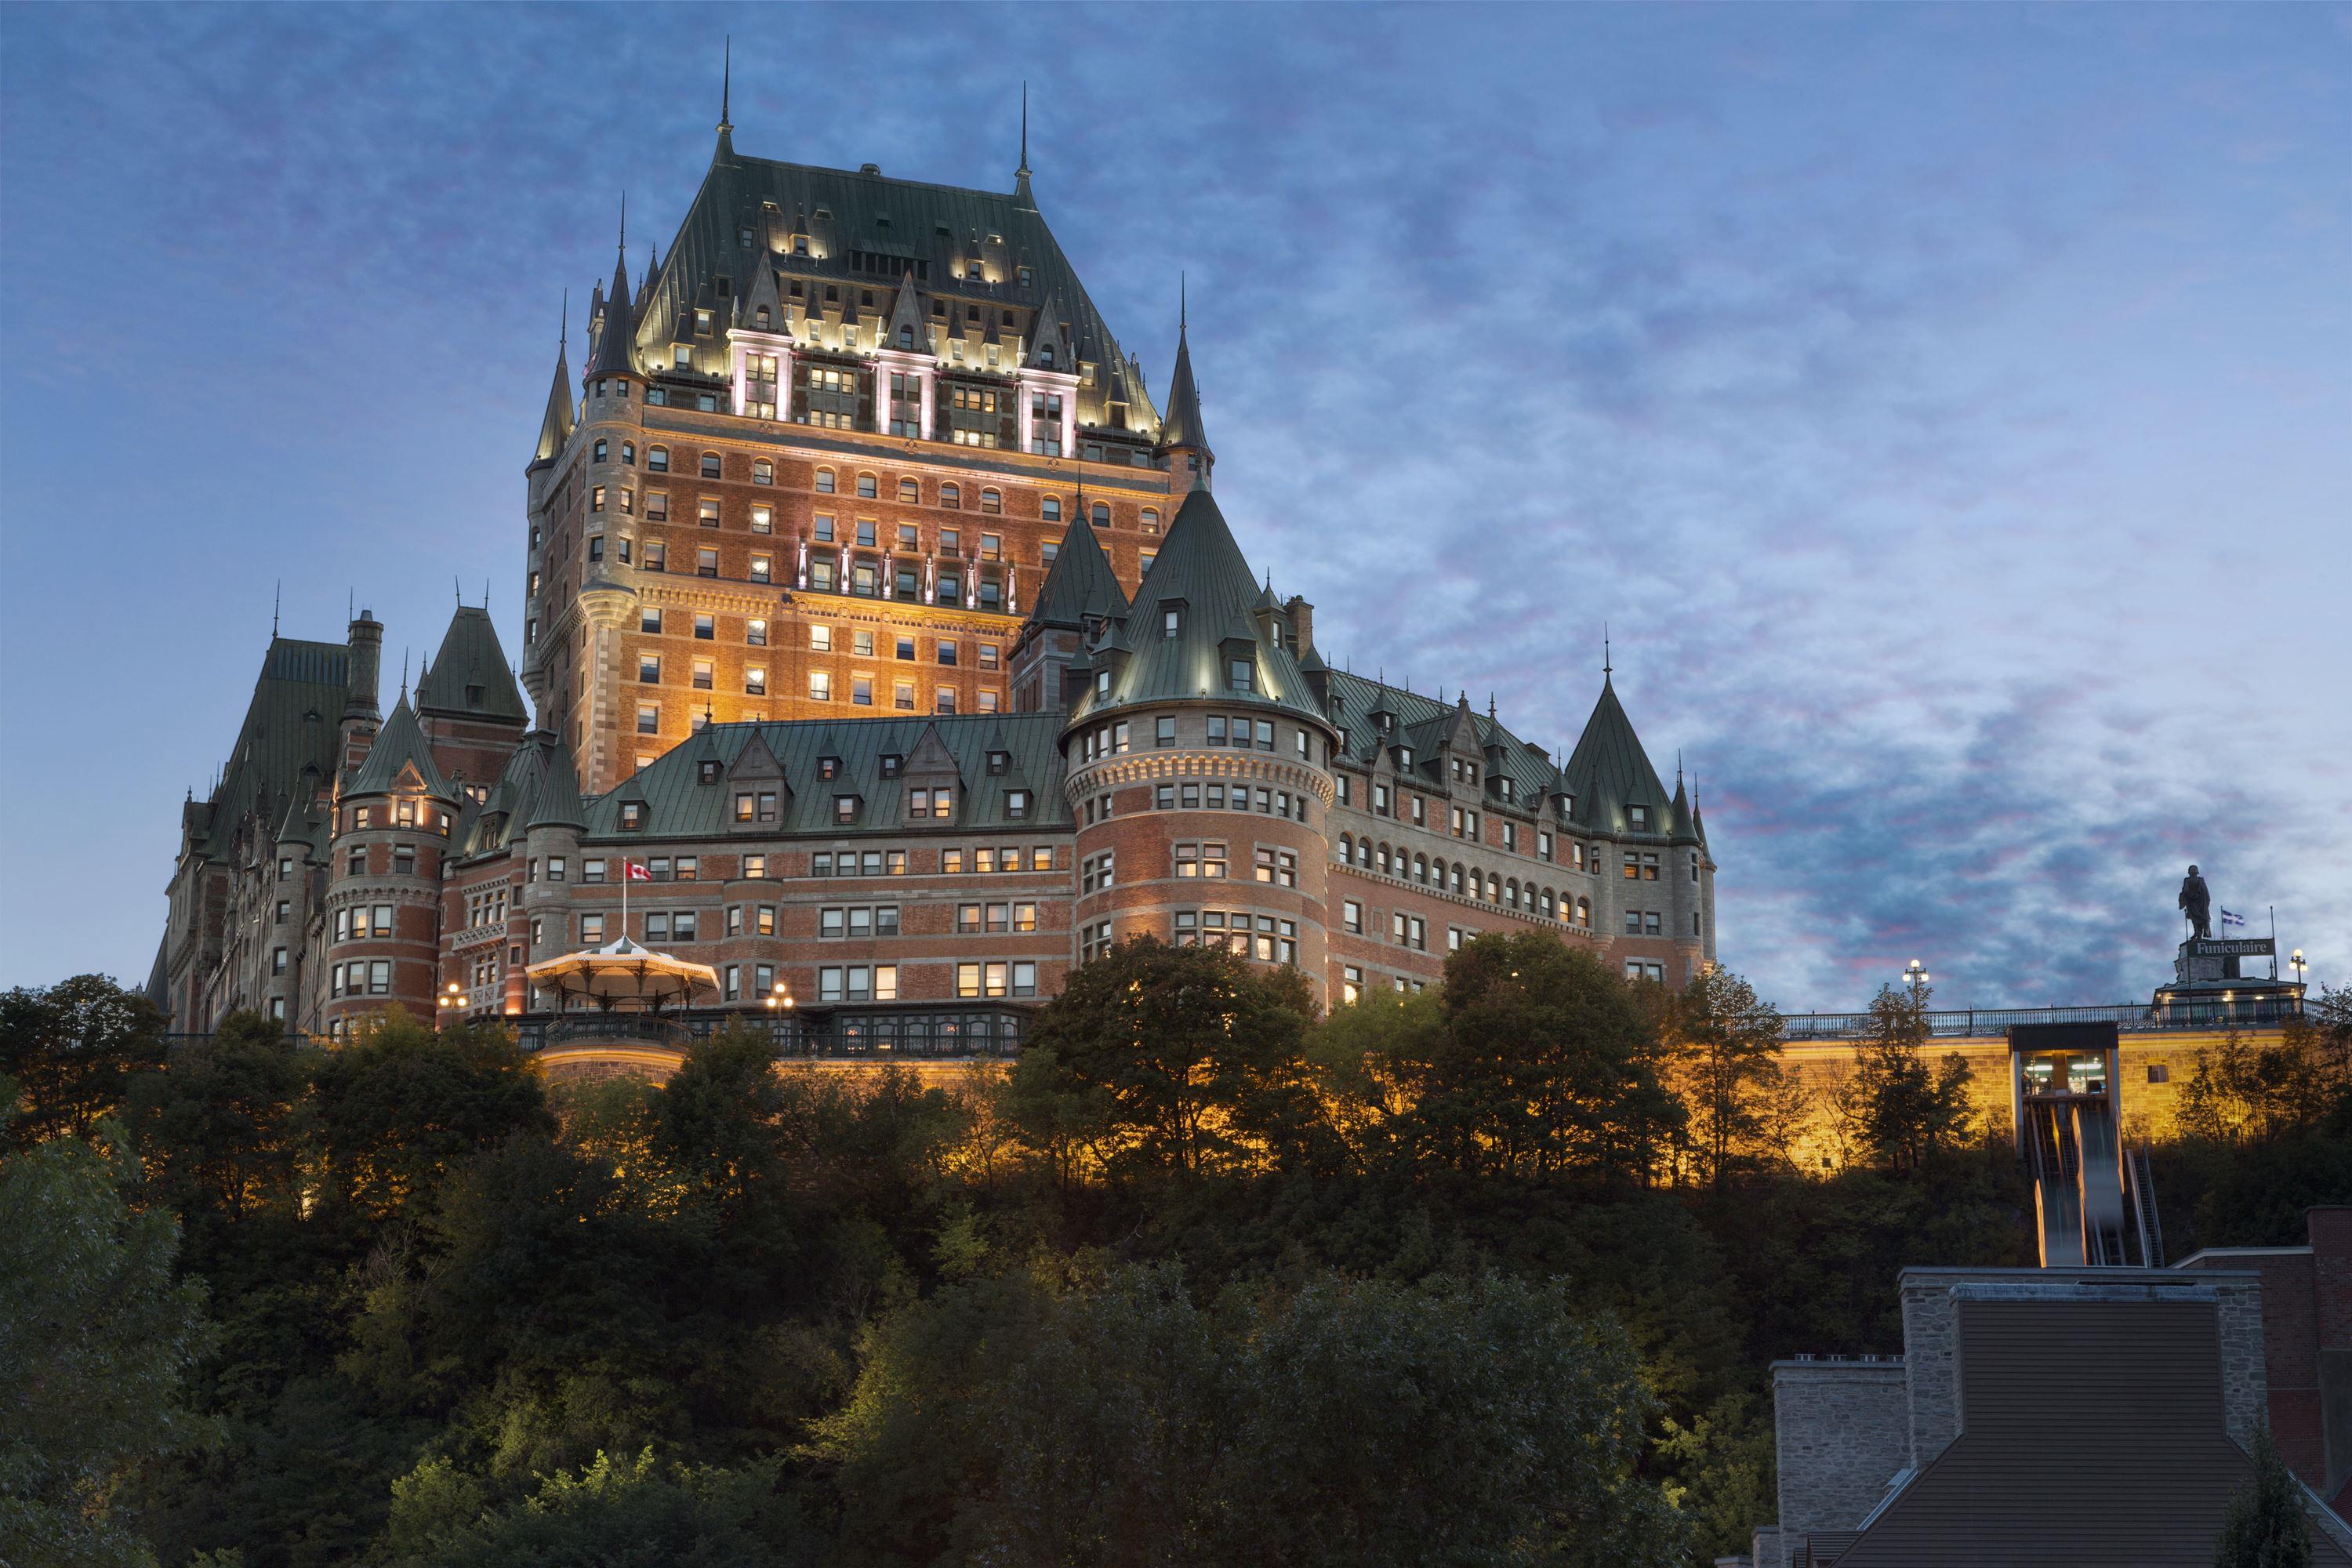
{"type": "Point", "coordinates": [1423, 723]}
{"type": "Point", "coordinates": [1081, 584]}
{"type": "Point", "coordinates": [1201, 568]}
{"type": "Point", "coordinates": [677, 803]}
{"type": "Point", "coordinates": [469, 677]}
{"type": "Point", "coordinates": [291, 722]}
{"type": "Point", "coordinates": [905, 312]}
{"type": "Point", "coordinates": [555, 425]}
{"type": "Point", "coordinates": [762, 291]}
{"type": "Point", "coordinates": [1049, 336]}
{"type": "Point", "coordinates": [1610, 770]}
{"type": "Point", "coordinates": [844, 211]}
{"type": "Point", "coordinates": [399, 745]}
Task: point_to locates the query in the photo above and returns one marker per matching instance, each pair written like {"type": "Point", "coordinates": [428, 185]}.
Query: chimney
{"type": "Point", "coordinates": [366, 643]}
{"type": "Point", "coordinates": [1302, 622]}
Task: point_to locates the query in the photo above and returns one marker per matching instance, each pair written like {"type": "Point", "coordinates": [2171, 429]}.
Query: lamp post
{"type": "Point", "coordinates": [452, 1000]}
{"type": "Point", "coordinates": [1916, 977]}
{"type": "Point", "coordinates": [2297, 964]}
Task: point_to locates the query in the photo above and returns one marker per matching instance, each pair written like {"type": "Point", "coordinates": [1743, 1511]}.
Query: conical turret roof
{"type": "Point", "coordinates": [1182, 427]}
{"type": "Point", "coordinates": [559, 803]}
{"type": "Point", "coordinates": [617, 342]}
{"type": "Point", "coordinates": [1081, 585]}
{"type": "Point", "coordinates": [469, 677]}
{"type": "Point", "coordinates": [1609, 770]}
{"type": "Point", "coordinates": [761, 294]}
{"type": "Point", "coordinates": [907, 316]}
{"type": "Point", "coordinates": [400, 745]}
{"type": "Point", "coordinates": [1202, 575]}
{"type": "Point", "coordinates": [555, 425]}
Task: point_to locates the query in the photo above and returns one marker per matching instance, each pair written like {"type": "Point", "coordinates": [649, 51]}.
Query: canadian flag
{"type": "Point", "coordinates": [637, 873]}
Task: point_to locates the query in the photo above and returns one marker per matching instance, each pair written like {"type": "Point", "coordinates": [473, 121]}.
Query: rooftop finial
{"type": "Point", "coordinates": [277, 597]}
{"type": "Point", "coordinates": [1181, 310]}
{"type": "Point", "coordinates": [563, 322]}
{"type": "Point", "coordinates": [1604, 651]}
{"type": "Point", "coordinates": [726, 85]}
{"type": "Point", "coordinates": [1678, 767]}
{"type": "Point", "coordinates": [1023, 172]}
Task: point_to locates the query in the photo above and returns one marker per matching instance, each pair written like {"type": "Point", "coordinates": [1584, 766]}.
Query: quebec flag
{"type": "Point", "coordinates": [2230, 920]}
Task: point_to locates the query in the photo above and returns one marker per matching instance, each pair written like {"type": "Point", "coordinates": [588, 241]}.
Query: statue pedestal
{"type": "Point", "coordinates": [2208, 987]}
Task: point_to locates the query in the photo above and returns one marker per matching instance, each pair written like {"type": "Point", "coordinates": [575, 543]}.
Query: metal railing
{"type": "Point", "coordinates": [1987, 1023]}
{"type": "Point", "coordinates": [882, 1034]}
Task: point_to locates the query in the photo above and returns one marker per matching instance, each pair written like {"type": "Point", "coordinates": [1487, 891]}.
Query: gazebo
{"type": "Point", "coordinates": [616, 1010]}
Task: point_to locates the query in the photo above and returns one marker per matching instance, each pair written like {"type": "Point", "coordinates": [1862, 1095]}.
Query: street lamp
{"type": "Point", "coordinates": [2297, 964]}
{"type": "Point", "coordinates": [452, 999]}
{"type": "Point", "coordinates": [780, 997]}
{"type": "Point", "coordinates": [1916, 977]}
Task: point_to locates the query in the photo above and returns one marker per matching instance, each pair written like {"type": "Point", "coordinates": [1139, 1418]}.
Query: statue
{"type": "Point", "coordinates": [2197, 903]}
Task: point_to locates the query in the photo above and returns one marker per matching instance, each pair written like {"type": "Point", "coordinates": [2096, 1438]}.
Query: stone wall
{"type": "Point", "coordinates": [1842, 1432]}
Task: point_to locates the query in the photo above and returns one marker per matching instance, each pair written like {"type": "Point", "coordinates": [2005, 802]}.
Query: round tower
{"type": "Point", "coordinates": [390, 836]}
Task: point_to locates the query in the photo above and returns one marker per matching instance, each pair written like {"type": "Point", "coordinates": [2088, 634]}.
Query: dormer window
{"type": "Point", "coordinates": [1171, 622]}
{"type": "Point", "coordinates": [1637, 817]}
{"type": "Point", "coordinates": [1016, 803]}
{"type": "Point", "coordinates": [892, 762]}
{"type": "Point", "coordinates": [1045, 355]}
{"type": "Point", "coordinates": [1403, 758]}
{"type": "Point", "coordinates": [1240, 675]}
{"type": "Point", "coordinates": [828, 767]}
{"type": "Point", "coordinates": [1102, 683]}
{"type": "Point", "coordinates": [633, 815]}
{"type": "Point", "coordinates": [937, 803]}
{"type": "Point", "coordinates": [998, 762]}
{"type": "Point", "coordinates": [844, 808]}
{"type": "Point", "coordinates": [706, 772]}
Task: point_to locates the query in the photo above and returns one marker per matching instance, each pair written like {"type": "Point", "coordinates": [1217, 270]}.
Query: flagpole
{"type": "Point", "coordinates": [625, 896]}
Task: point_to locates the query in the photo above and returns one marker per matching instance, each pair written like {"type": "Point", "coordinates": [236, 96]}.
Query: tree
{"type": "Point", "coordinates": [1723, 1044]}
{"type": "Point", "coordinates": [1172, 1059]}
{"type": "Point", "coordinates": [1549, 1064]}
{"type": "Point", "coordinates": [2266, 1527]}
{"type": "Point", "coordinates": [1371, 1059]}
{"type": "Point", "coordinates": [95, 1337]}
{"type": "Point", "coordinates": [1907, 1113]}
{"type": "Point", "coordinates": [219, 1129]}
{"type": "Point", "coordinates": [402, 1103]}
{"type": "Point", "coordinates": [73, 1050]}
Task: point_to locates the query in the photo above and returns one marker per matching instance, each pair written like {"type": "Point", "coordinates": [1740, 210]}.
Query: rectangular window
{"type": "Point", "coordinates": [819, 686]}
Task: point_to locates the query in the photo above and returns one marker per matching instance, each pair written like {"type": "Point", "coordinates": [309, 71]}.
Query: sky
{"type": "Point", "coordinates": [1947, 410]}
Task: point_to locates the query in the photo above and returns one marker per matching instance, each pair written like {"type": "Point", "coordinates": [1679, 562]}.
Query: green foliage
{"type": "Point", "coordinates": [1110, 1420]}
{"type": "Point", "coordinates": [1723, 1043]}
{"type": "Point", "coordinates": [73, 1049]}
{"type": "Point", "coordinates": [221, 1128]}
{"type": "Point", "coordinates": [95, 1336]}
{"type": "Point", "coordinates": [2266, 1527]}
{"type": "Point", "coordinates": [1904, 1112]}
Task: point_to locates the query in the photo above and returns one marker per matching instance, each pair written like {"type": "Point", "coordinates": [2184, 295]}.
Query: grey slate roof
{"type": "Point", "coordinates": [1201, 567]}
{"type": "Point", "coordinates": [737, 189]}
{"type": "Point", "coordinates": [1183, 427]}
{"type": "Point", "coordinates": [1610, 770]}
{"type": "Point", "coordinates": [558, 802]}
{"type": "Point", "coordinates": [1081, 584]}
{"type": "Point", "coordinates": [291, 722]}
{"type": "Point", "coordinates": [677, 805]}
{"type": "Point", "coordinates": [471, 657]}
{"type": "Point", "coordinates": [555, 425]}
{"type": "Point", "coordinates": [400, 743]}
{"type": "Point", "coordinates": [617, 342]}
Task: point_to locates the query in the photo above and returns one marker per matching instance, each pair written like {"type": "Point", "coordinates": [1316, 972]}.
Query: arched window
{"type": "Point", "coordinates": [1511, 892]}
{"type": "Point", "coordinates": [657, 459]}
{"type": "Point", "coordinates": [763, 472]}
{"type": "Point", "coordinates": [1364, 853]}
{"type": "Point", "coordinates": [1584, 911]}
{"type": "Point", "coordinates": [1421, 868]}
{"type": "Point", "coordinates": [1347, 847]}
{"type": "Point", "coordinates": [906, 338]}
{"type": "Point", "coordinates": [760, 318]}
{"type": "Point", "coordinates": [908, 490]}
{"type": "Point", "coordinates": [951, 497]}
{"type": "Point", "coordinates": [598, 455]}
{"type": "Point", "coordinates": [1045, 355]}
{"type": "Point", "coordinates": [1454, 879]}
{"type": "Point", "coordinates": [1050, 508]}
{"type": "Point", "coordinates": [1493, 888]}
{"type": "Point", "coordinates": [991, 501]}
{"type": "Point", "coordinates": [1152, 519]}
{"type": "Point", "coordinates": [629, 453]}
{"type": "Point", "coordinates": [1384, 860]}
{"type": "Point", "coordinates": [824, 481]}
{"type": "Point", "coordinates": [868, 487]}
{"type": "Point", "coordinates": [1101, 518]}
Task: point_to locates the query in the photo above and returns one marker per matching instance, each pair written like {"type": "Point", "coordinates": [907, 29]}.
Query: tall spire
{"type": "Point", "coordinates": [726, 86]}
{"type": "Point", "coordinates": [1181, 431]}
{"type": "Point", "coordinates": [555, 425]}
{"type": "Point", "coordinates": [1021, 193]}
{"type": "Point", "coordinates": [616, 350]}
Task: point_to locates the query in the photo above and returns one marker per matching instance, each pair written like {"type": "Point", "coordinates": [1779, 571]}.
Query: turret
{"type": "Point", "coordinates": [384, 906]}
{"type": "Point", "coordinates": [1183, 446]}
{"type": "Point", "coordinates": [364, 640]}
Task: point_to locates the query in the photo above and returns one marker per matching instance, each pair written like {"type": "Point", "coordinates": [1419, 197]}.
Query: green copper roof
{"type": "Point", "coordinates": [1609, 770]}
{"type": "Point", "coordinates": [400, 745]}
{"type": "Point", "coordinates": [614, 352]}
{"type": "Point", "coordinates": [1202, 576]}
{"type": "Point", "coordinates": [469, 677]}
{"type": "Point", "coordinates": [678, 804]}
{"type": "Point", "coordinates": [1425, 724]}
{"type": "Point", "coordinates": [558, 803]}
{"type": "Point", "coordinates": [1081, 585]}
